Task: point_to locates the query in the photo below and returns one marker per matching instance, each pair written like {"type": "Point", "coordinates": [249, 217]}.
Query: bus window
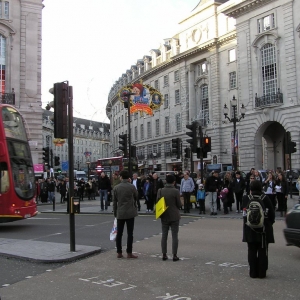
{"type": "Point", "coordinates": [4, 179]}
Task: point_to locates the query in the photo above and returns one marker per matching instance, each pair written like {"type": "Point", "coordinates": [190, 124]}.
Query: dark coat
{"type": "Point", "coordinates": [172, 198]}
{"type": "Point", "coordinates": [284, 186]}
{"type": "Point", "coordinates": [62, 188]}
{"type": "Point", "coordinates": [125, 198]}
{"type": "Point", "coordinates": [239, 187]}
{"type": "Point", "coordinates": [229, 185]}
{"type": "Point", "coordinates": [251, 236]}
{"type": "Point", "coordinates": [212, 184]}
{"type": "Point", "coordinates": [139, 186]}
{"type": "Point", "coordinates": [156, 185]}
{"type": "Point", "coordinates": [104, 183]}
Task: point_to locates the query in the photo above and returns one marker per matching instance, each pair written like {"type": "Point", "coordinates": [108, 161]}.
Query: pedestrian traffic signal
{"type": "Point", "coordinates": [46, 155]}
{"type": "Point", "coordinates": [193, 135]}
{"type": "Point", "coordinates": [56, 161]}
{"type": "Point", "coordinates": [123, 143]}
{"type": "Point", "coordinates": [187, 152]}
{"type": "Point", "coordinates": [60, 105]}
{"type": "Point", "coordinates": [288, 140]}
{"type": "Point", "coordinates": [176, 143]}
{"type": "Point", "coordinates": [293, 148]}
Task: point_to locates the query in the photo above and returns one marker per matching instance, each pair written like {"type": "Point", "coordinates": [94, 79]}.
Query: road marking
{"type": "Point", "coordinates": [28, 277]}
{"type": "Point", "coordinates": [6, 284]}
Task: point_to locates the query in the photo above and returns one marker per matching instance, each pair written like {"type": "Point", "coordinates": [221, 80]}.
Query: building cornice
{"type": "Point", "coordinates": [238, 8]}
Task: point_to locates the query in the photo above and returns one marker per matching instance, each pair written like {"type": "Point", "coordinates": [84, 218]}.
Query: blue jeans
{"type": "Point", "coordinates": [212, 200]}
{"type": "Point", "coordinates": [103, 196]}
{"type": "Point", "coordinates": [51, 196]}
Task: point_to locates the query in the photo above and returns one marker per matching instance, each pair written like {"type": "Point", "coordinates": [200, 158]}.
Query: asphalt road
{"type": "Point", "coordinates": [213, 265]}
{"type": "Point", "coordinates": [91, 230]}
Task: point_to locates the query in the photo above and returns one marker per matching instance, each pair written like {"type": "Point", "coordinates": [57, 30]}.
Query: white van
{"type": "Point", "coordinates": [79, 174]}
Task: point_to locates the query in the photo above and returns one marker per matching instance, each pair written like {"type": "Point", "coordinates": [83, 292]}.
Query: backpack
{"type": "Point", "coordinates": [255, 212]}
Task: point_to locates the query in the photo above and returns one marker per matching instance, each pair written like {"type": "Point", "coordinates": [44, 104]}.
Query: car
{"type": "Point", "coordinates": [293, 175]}
{"type": "Point", "coordinates": [292, 232]}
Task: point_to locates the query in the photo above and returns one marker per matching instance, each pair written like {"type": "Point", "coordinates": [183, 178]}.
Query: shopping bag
{"type": "Point", "coordinates": [160, 207]}
{"type": "Point", "coordinates": [193, 199]}
{"type": "Point", "coordinates": [114, 230]}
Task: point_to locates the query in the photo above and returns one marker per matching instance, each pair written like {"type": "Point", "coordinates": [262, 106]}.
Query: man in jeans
{"type": "Point", "coordinates": [212, 186]}
{"type": "Point", "coordinates": [104, 187]}
{"type": "Point", "coordinates": [125, 198]}
{"type": "Point", "coordinates": [186, 188]}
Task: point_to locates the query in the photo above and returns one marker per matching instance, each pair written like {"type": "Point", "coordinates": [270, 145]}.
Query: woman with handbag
{"type": "Point", "coordinates": [171, 217]}
{"type": "Point", "coordinates": [282, 191]}
{"type": "Point", "coordinates": [269, 188]}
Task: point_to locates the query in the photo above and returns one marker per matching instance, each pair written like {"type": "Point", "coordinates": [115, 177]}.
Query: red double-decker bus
{"type": "Point", "coordinates": [17, 182]}
{"type": "Point", "coordinates": [113, 164]}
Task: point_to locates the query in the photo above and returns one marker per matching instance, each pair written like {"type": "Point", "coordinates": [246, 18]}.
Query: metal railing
{"type": "Point", "coordinates": [7, 98]}
{"type": "Point", "coordinates": [269, 100]}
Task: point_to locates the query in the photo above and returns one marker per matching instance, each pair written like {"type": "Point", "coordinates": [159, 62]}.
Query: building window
{"type": "Point", "coordinates": [135, 133]}
{"type": "Point", "coordinates": [266, 23]}
{"type": "Point", "coordinates": [135, 115]}
{"type": "Point", "coordinates": [4, 9]}
{"type": "Point", "coordinates": [142, 131]}
{"type": "Point", "coordinates": [166, 102]}
{"type": "Point", "coordinates": [269, 69]}
{"type": "Point", "coordinates": [126, 117]}
{"type": "Point", "coordinates": [176, 75]}
{"type": "Point", "coordinates": [204, 105]}
{"type": "Point", "coordinates": [177, 97]}
{"type": "Point", "coordinates": [159, 148]}
{"type": "Point", "coordinates": [157, 127]}
{"type": "Point", "coordinates": [232, 55]}
{"type": "Point", "coordinates": [178, 122]}
{"type": "Point", "coordinates": [149, 150]}
{"type": "Point", "coordinates": [232, 80]}
{"type": "Point", "coordinates": [167, 147]}
{"type": "Point", "coordinates": [166, 80]}
{"type": "Point", "coordinates": [149, 134]}
{"type": "Point", "coordinates": [122, 120]}
{"type": "Point", "coordinates": [156, 84]}
{"type": "Point", "coordinates": [2, 62]}
{"type": "Point", "coordinates": [167, 125]}
{"type": "Point", "coordinates": [202, 69]}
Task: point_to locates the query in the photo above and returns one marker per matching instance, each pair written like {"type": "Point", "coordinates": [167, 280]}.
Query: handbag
{"type": "Point", "coordinates": [192, 199]}
{"type": "Point", "coordinates": [114, 230]}
{"type": "Point", "coordinates": [160, 207]}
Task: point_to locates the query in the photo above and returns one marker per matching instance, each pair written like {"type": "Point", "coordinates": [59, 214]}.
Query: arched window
{"type": "Point", "coordinates": [2, 63]}
{"type": "Point", "coordinates": [204, 104]}
{"type": "Point", "coordinates": [269, 69]}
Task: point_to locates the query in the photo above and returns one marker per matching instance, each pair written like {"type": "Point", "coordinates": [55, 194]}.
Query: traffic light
{"type": "Point", "coordinates": [206, 144]}
{"type": "Point", "coordinates": [60, 105]}
{"type": "Point", "coordinates": [46, 155]}
{"type": "Point", "coordinates": [123, 143]}
{"type": "Point", "coordinates": [187, 153]}
{"type": "Point", "coordinates": [176, 147]}
{"type": "Point", "coordinates": [133, 151]}
{"type": "Point", "coordinates": [56, 161]}
{"type": "Point", "coordinates": [293, 148]}
{"type": "Point", "coordinates": [193, 135]}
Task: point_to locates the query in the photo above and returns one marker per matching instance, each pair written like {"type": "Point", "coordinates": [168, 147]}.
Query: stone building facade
{"type": "Point", "coordinates": [244, 49]}
{"type": "Point", "coordinates": [20, 63]}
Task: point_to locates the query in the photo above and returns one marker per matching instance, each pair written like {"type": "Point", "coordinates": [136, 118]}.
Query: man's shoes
{"type": "Point", "coordinates": [175, 258]}
{"type": "Point", "coordinates": [211, 213]}
{"type": "Point", "coordinates": [139, 209]}
{"type": "Point", "coordinates": [102, 210]}
{"type": "Point", "coordinates": [130, 255]}
{"type": "Point", "coordinates": [215, 214]}
{"type": "Point", "coordinates": [165, 257]}
{"type": "Point", "coordinates": [120, 255]}
{"type": "Point", "coordinates": [184, 211]}
{"type": "Point", "coordinates": [237, 211]}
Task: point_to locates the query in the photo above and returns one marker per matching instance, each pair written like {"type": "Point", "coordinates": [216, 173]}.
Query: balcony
{"type": "Point", "coordinates": [274, 99]}
{"type": "Point", "coordinates": [7, 98]}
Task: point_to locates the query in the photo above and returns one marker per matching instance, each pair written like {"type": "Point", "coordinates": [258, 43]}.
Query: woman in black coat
{"type": "Point", "coordinates": [258, 239]}
{"type": "Point", "coordinates": [282, 191]}
{"type": "Point", "coordinates": [227, 183]}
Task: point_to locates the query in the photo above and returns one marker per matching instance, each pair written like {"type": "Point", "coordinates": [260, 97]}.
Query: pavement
{"type": "Point", "coordinates": [59, 252]}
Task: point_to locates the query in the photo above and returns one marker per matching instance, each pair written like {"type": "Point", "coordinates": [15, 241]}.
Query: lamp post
{"type": "Point", "coordinates": [88, 165]}
{"type": "Point", "coordinates": [234, 120]}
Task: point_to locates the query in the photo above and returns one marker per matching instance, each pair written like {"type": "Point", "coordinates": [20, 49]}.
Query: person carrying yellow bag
{"type": "Point", "coordinates": [170, 217]}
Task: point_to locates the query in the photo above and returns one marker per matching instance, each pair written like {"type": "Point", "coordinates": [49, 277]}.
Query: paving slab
{"type": "Point", "coordinates": [46, 252]}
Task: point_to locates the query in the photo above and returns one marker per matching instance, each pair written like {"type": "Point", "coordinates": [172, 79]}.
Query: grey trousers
{"type": "Point", "coordinates": [164, 238]}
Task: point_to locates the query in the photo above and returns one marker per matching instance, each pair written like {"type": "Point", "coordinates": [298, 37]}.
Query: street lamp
{"type": "Point", "coordinates": [88, 165]}
{"type": "Point", "coordinates": [234, 120]}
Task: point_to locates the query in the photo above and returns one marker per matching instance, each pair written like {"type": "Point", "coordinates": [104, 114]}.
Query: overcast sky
{"type": "Point", "coordinates": [91, 43]}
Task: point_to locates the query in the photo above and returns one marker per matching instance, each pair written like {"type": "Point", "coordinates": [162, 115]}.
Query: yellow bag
{"type": "Point", "coordinates": [193, 199]}
{"type": "Point", "coordinates": [160, 207]}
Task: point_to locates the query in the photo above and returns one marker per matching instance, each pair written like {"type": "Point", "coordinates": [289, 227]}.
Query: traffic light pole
{"type": "Point", "coordinates": [71, 169]}
{"type": "Point", "coordinates": [129, 140]}
{"type": "Point", "coordinates": [201, 154]}
{"type": "Point", "coordinates": [291, 174]}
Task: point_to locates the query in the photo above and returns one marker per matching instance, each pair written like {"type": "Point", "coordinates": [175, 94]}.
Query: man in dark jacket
{"type": "Point", "coordinates": [238, 188]}
{"type": "Point", "coordinates": [258, 239]}
{"type": "Point", "coordinates": [212, 186]}
{"type": "Point", "coordinates": [170, 218]}
{"type": "Point", "coordinates": [157, 184]}
{"type": "Point", "coordinates": [125, 197]}
{"type": "Point", "coordinates": [104, 187]}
